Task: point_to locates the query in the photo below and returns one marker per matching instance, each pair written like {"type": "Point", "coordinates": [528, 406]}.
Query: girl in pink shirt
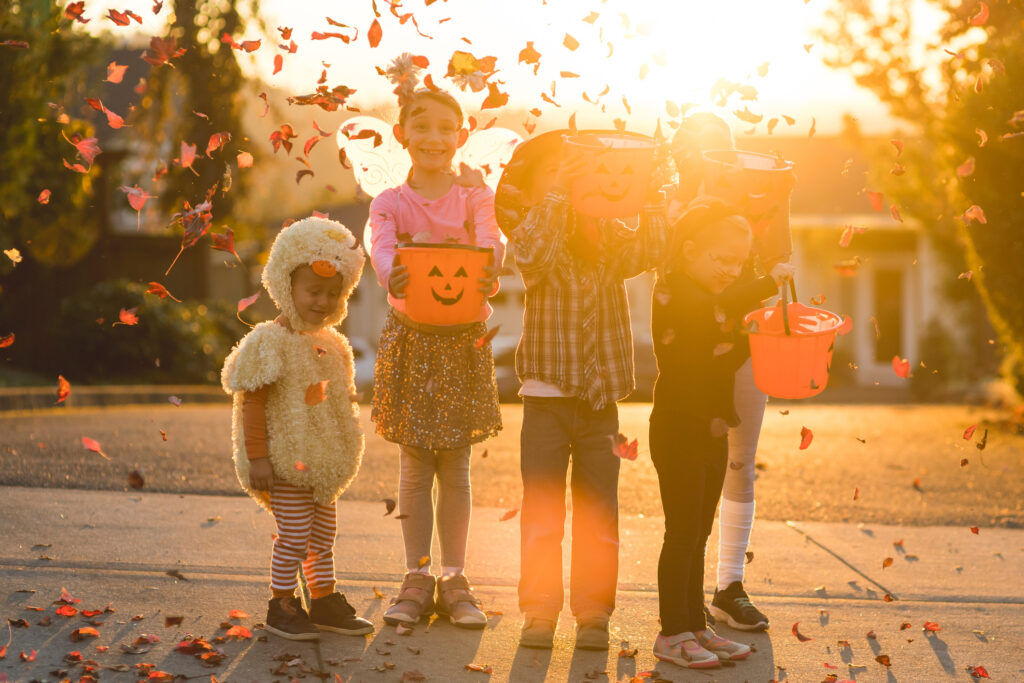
{"type": "Point", "coordinates": [434, 389]}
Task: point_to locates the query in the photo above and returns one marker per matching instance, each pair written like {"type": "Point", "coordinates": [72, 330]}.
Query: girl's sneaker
{"type": "Point", "coordinates": [455, 600]}
{"type": "Point", "coordinates": [733, 607]}
{"type": "Point", "coordinates": [333, 613]}
{"type": "Point", "coordinates": [725, 649]}
{"type": "Point", "coordinates": [684, 650]}
{"type": "Point", "coordinates": [286, 618]}
{"type": "Point", "coordinates": [415, 600]}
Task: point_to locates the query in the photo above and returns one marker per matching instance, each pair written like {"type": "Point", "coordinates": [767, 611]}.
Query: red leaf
{"type": "Point", "coordinates": [316, 392]}
{"type": "Point", "coordinates": [887, 562]}
{"type": "Point", "coordinates": [898, 144]}
{"type": "Point", "coordinates": [969, 432]}
{"type": "Point", "coordinates": [127, 316]}
{"type": "Point", "coordinates": [278, 64]}
{"type": "Point", "coordinates": [65, 597]}
{"type": "Point", "coordinates": [799, 636]}
{"type": "Point", "coordinates": [74, 10]}
{"type": "Point", "coordinates": [494, 98]}
{"type": "Point", "coordinates": [188, 156]}
{"type": "Point", "coordinates": [94, 446]}
{"type": "Point", "coordinates": [225, 242]}
{"type": "Point", "coordinates": [894, 211]}
{"type": "Point", "coordinates": [161, 51]}
{"type": "Point", "coordinates": [932, 626]}
{"type": "Point", "coordinates": [238, 632]}
{"type": "Point", "coordinates": [244, 160]}
{"type": "Point", "coordinates": [115, 72]}
{"type": "Point", "coordinates": [66, 611]}
{"type": "Point", "coordinates": [31, 657]}
{"type": "Point", "coordinates": [421, 61]}
{"type": "Point", "coordinates": [965, 169]}
{"type": "Point", "coordinates": [979, 19]}
{"type": "Point", "coordinates": [901, 366]}
{"type": "Point", "coordinates": [44, 197]}
{"type": "Point", "coordinates": [238, 614]}
{"type": "Point", "coordinates": [883, 660]}
{"type": "Point", "coordinates": [624, 448]}
{"type": "Point", "coordinates": [974, 213]}
{"type": "Point", "coordinates": [509, 515]}
{"type": "Point", "coordinates": [977, 671]}
{"type": "Point", "coordinates": [479, 343]}
{"type": "Point", "coordinates": [974, 530]}
{"type": "Point", "coordinates": [137, 199]}
{"type": "Point", "coordinates": [481, 668]}
{"type": "Point", "coordinates": [63, 389]}
{"type": "Point", "coordinates": [282, 137]}
{"type": "Point", "coordinates": [806, 436]}
{"type": "Point", "coordinates": [83, 633]}
{"type": "Point", "coordinates": [876, 200]}
{"type": "Point", "coordinates": [88, 148]}
{"type": "Point", "coordinates": [6, 341]}
{"type": "Point", "coordinates": [217, 140]}
{"type": "Point", "coordinates": [374, 34]}
{"type": "Point", "coordinates": [247, 301]}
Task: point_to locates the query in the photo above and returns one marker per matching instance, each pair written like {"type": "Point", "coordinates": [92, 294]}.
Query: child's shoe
{"type": "Point", "coordinates": [684, 650]}
{"type": "Point", "coordinates": [455, 600]}
{"type": "Point", "coordinates": [592, 633]}
{"type": "Point", "coordinates": [733, 606]}
{"type": "Point", "coordinates": [415, 600]}
{"type": "Point", "coordinates": [727, 650]}
{"type": "Point", "coordinates": [538, 632]}
{"type": "Point", "coordinates": [286, 618]}
{"type": "Point", "coordinates": [333, 613]}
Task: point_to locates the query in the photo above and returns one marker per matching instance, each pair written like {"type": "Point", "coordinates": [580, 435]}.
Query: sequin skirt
{"type": "Point", "coordinates": [434, 390]}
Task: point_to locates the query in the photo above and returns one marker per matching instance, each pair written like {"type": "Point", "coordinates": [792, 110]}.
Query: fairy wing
{"type": "Point", "coordinates": [378, 159]}
{"type": "Point", "coordinates": [488, 150]}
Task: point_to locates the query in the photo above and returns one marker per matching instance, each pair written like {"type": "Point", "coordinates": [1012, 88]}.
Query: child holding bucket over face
{"type": "Point", "coordinates": [575, 360]}
{"type": "Point", "coordinates": [295, 429]}
{"type": "Point", "coordinates": [696, 326]}
{"type": "Point", "coordinates": [434, 389]}
{"type": "Point", "coordinates": [700, 132]}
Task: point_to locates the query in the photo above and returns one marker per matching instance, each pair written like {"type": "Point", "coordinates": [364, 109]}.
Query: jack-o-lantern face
{"type": "Point", "coordinates": [613, 180]}
{"type": "Point", "coordinates": [448, 295]}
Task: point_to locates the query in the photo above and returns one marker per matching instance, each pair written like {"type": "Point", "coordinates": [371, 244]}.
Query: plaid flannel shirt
{"type": "Point", "coordinates": [576, 330]}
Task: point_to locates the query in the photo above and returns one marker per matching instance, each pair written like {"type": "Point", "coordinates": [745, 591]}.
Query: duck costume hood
{"type": "Point", "coordinates": [325, 245]}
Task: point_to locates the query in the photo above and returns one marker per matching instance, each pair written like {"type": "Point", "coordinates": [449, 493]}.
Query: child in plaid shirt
{"type": "Point", "coordinates": [575, 360]}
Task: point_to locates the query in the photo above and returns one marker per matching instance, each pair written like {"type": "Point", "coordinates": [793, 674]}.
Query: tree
{"type": "Point", "coordinates": [961, 95]}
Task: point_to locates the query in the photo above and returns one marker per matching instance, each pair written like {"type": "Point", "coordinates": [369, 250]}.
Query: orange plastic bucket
{"type": "Point", "coordinates": [760, 184]}
{"type": "Point", "coordinates": [443, 287]}
{"type": "Point", "coordinates": [791, 348]}
{"type": "Point", "coordinates": [620, 169]}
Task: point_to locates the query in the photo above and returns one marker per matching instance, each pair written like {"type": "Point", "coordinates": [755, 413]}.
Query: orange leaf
{"type": "Point", "coordinates": [66, 611]}
{"type": "Point", "coordinates": [316, 393]}
{"type": "Point", "coordinates": [127, 317]}
{"type": "Point", "coordinates": [887, 562]}
{"type": "Point", "coordinates": [238, 632]}
{"type": "Point", "coordinates": [63, 388]}
{"type": "Point", "coordinates": [161, 291]}
{"type": "Point", "coordinates": [44, 197]}
{"type": "Point", "coordinates": [981, 17]}
{"type": "Point", "coordinates": [479, 343]}
{"type": "Point", "coordinates": [244, 160]}
{"type": "Point", "coordinates": [799, 636]}
{"type": "Point", "coordinates": [509, 515]}
{"type": "Point", "coordinates": [247, 301]}
{"type": "Point", "coordinates": [238, 614]}
{"type": "Point", "coordinates": [974, 213]}
{"type": "Point", "coordinates": [876, 200]}
{"type": "Point", "coordinates": [969, 432]}
{"type": "Point", "coordinates": [94, 446]}
{"type": "Point", "coordinates": [623, 447]}
{"type": "Point", "coordinates": [932, 626]}
{"type": "Point", "coordinates": [974, 530]}
{"type": "Point", "coordinates": [6, 341]}
{"type": "Point", "coordinates": [965, 169]}
{"type": "Point", "coordinates": [901, 366]}
{"type": "Point", "coordinates": [83, 633]}
{"type": "Point", "coordinates": [115, 72]}
{"type": "Point", "coordinates": [375, 33]}
{"type": "Point", "coordinates": [806, 436]}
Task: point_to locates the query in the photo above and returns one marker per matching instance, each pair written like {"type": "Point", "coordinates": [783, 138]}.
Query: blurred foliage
{"type": "Point", "coordinates": [173, 343]}
{"type": "Point", "coordinates": [40, 84]}
{"type": "Point", "coordinates": [963, 82]}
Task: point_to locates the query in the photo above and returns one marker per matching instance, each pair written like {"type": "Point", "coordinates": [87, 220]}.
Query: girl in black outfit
{"type": "Point", "coordinates": [701, 295]}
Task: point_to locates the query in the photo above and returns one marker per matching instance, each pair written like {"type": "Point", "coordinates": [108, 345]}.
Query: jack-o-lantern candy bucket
{"type": "Point", "coordinates": [760, 184]}
{"type": "Point", "coordinates": [443, 287]}
{"type": "Point", "coordinates": [620, 166]}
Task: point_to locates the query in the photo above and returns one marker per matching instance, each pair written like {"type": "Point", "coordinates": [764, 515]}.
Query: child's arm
{"type": "Point", "coordinates": [254, 426]}
{"type": "Point", "coordinates": [539, 240]}
{"type": "Point", "coordinates": [633, 252]}
{"type": "Point", "coordinates": [383, 234]}
{"type": "Point", "coordinates": [488, 234]}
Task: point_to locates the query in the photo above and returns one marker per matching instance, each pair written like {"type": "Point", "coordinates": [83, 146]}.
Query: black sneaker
{"type": "Point", "coordinates": [733, 606]}
{"type": "Point", "coordinates": [333, 613]}
{"type": "Point", "coordinates": [287, 619]}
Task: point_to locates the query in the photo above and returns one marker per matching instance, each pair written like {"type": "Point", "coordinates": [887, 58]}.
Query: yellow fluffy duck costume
{"type": "Point", "coordinates": [320, 446]}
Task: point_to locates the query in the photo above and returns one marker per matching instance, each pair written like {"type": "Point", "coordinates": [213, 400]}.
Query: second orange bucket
{"type": "Point", "coordinates": [443, 282]}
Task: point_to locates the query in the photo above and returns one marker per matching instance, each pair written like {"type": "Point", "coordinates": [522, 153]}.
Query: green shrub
{"type": "Point", "coordinates": [172, 343]}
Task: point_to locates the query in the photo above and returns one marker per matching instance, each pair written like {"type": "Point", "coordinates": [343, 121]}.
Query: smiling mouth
{"type": "Point", "coordinates": [609, 196]}
{"type": "Point", "coordinates": [447, 301]}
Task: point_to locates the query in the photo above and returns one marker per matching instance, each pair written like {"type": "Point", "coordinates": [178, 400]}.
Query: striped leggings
{"type": "Point", "coordinates": [305, 535]}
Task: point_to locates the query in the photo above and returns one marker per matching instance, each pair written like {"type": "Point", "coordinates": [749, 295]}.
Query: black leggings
{"type": "Point", "coordinates": [691, 467]}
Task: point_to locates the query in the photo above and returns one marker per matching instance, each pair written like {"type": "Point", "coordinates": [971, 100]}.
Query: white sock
{"type": "Point", "coordinates": [425, 569]}
{"type": "Point", "coordinates": [734, 523]}
{"type": "Point", "coordinates": [451, 571]}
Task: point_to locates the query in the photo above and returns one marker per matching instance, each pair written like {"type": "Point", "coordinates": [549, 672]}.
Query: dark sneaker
{"type": "Point", "coordinates": [333, 613]}
{"type": "Point", "coordinates": [592, 633]}
{"type": "Point", "coordinates": [538, 632]}
{"type": "Point", "coordinates": [455, 600]}
{"type": "Point", "coordinates": [415, 600]}
{"type": "Point", "coordinates": [287, 619]}
{"type": "Point", "coordinates": [733, 606]}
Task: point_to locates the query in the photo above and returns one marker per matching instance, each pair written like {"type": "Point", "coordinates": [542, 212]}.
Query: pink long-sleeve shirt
{"type": "Point", "coordinates": [464, 215]}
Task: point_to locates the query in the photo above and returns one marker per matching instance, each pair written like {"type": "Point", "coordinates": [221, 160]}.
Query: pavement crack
{"type": "Point", "coordinates": [792, 525]}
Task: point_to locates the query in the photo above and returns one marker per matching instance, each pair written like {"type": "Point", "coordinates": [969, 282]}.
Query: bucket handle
{"type": "Point", "coordinates": [784, 305]}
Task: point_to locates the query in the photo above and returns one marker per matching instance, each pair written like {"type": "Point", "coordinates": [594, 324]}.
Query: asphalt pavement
{"type": "Point", "coordinates": [165, 568]}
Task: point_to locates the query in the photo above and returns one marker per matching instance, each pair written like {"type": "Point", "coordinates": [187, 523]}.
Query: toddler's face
{"type": "Point", "coordinates": [431, 134]}
{"type": "Point", "coordinates": [716, 263]}
{"type": "Point", "coordinates": [315, 298]}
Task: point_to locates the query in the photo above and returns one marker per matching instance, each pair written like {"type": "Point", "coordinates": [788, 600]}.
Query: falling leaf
{"type": "Point", "coordinates": [969, 432]}
{"type": "Point", "coordinates": [247, 301]}
{"type": "Point", "coordinates": [974, 213]}
{"type": "Point", "coordinates": [161, 291]}
{"type": "Point", "coordinates": [127, 316]}
{"type": "Point", "coordinates": [424, 561]}
{"type": "Point", "coordinates": [818, 300]}
{"type": "Point", "coordinates": [161, 51]}
{"type": "Point", "coordinates": [876, 199]}
{"type": "Point", "coordinates": [746, 115]}
{"type": "Point", "coordinates": [623, 447]}
{"type": "Point", "coordinates": [316, 392]}
{"type": "Point", "coordinates": [981, 16]}
{"type": "Point", "coordinates": [115, 72]}
{"type": "Point", "coordinates": [74, 11]}
{"type": "Point", "coordinates": [799, 636]}
{"type": "Point", "coordinates": [63, 388]}
{"type": "Point", "coordinates": [94, 446]}
{"type": "Point", "coordinates": [44, 197]}
{"type": "Point", "coordinates": [966, 275]}
{"type": "Point", "coordinates": [389, 506]}
{"type": "Point", "coordinates": [898, 144]}
{"type": "Point", "coordinates": [814, 127]}
{"type": "Point", "coordinates": [570, 42]}
{"type": "Point", "coordinates": [806, 436]}
{"type": "Point", "coordinates": [137, 199]}
{"type": "Point", "coordinates": [509, 514]}
{"type": "Point", "coordinates": [225, 242]}
{"type": "Point", "coordinates": [917, 484]}
{"type": "Point", "coordinates": [494, 98]}
{"type": "Point", "coordinates": [484, 340]}
{"type": "Point", "coordinates": [848, 232]}
{"type": "Point", "coordinates": [894, 211]}
{"type": "Point", "coordinates": [967, 168]}
{"type": "Point", "coordinates": [901, 366]}
{"type": "Point", "coordinates": [374, 34]}
{"type": "Point", "coordinates": [982, 137]}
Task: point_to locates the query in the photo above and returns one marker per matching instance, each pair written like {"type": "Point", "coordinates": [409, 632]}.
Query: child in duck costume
{"type": "Point", "coordinates": [295, 426]}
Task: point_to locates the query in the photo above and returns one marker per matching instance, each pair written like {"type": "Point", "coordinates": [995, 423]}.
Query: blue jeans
{"type": "Point", "coordinates": [556, 430]}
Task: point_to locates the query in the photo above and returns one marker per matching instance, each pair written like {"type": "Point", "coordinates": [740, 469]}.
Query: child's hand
{"type": "Point", "coordinates": [488, 281]}
{"type": "Point", "coordinates": [399, 279]}
{"type": "Point", "coordinates": [261, 474]}
{"type": "Point", "coordinates": [782, 272]}
{"type": "Point", "coordinates": [469, 177]}
{"type": "Point", "coordinates": [719, 427]}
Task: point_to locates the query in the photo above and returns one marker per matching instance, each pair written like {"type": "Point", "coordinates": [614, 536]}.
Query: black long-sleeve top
{"type": "Point", "coordinates": [699, 345]}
